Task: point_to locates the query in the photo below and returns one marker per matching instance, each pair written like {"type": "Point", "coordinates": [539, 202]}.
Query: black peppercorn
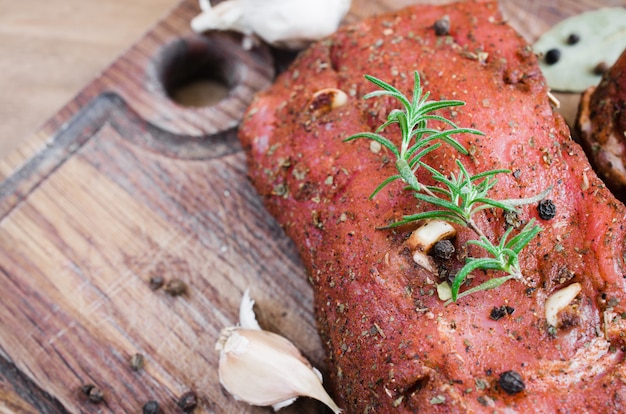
{"type": "Point", "coordinates": [188, 401]}
{"type": "Point", "coordinates": [175, 287]}
{"type": "Point", "coordinates": [442, 26]}
{"type": "Point", "coordinates": [156, 282]}
{"type": "Point", "coordinates": [136, 362]}
{"type": "Point", "coordinates": [151, 407]}
{"type": "Point", "coordinates": [511, 382]}
{"type": "Point", "coordinates": [443, 249]}
{"type": "Point", "coordinates": [573, 39]}
{"type": "Point", "coordinates": [93, 393]}
{"type": "Point", "coordinates": [600, 68]}
{"type": "Point", "coordinates": [552, 56]}
{"type": "Point", "coordinates": [498, 313]}
{"type": "Point", "coordinates": [546, 209]}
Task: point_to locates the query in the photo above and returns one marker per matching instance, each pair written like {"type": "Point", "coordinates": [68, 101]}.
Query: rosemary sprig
{"type": "Point", "coordinates": [457, 197]}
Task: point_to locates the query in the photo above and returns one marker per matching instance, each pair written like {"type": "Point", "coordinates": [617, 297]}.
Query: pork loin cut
{"type": "Point", "coordinates": [392, 344]}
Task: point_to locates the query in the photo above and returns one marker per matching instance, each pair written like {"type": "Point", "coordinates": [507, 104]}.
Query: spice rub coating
{"type": "Point", "coordinates": [601, 124]}
{"type": "Point", "coordinates": [392, 345]}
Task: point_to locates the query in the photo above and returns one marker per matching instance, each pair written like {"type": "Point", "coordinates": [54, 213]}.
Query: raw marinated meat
{"type": "Point", "coordinates": [601, 125]}
{"type": "Point", "coordinates": [392, 344]}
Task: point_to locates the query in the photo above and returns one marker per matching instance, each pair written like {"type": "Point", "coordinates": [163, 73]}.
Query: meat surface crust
{"type": "Point", "coordinates": [392, 344]}
{"type": "Point", "coordinates": [601, 125]}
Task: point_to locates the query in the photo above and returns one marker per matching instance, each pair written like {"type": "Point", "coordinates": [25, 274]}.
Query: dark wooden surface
{"type": "Point", "coordinates": [124, 184]}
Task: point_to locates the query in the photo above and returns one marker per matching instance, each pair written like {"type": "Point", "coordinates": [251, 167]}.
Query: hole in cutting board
{"type": "Point", "coordinates": [198, 93]}
{"type": "Point", "coordinates": [197, 72]}
{"type": "Point", "coordinates": [196, 89]}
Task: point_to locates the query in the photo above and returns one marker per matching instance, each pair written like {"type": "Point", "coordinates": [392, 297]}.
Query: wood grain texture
{"type": "Point", "coordinates": [122, 185]}
{"type": "Point", "coordinates": [50, 50]}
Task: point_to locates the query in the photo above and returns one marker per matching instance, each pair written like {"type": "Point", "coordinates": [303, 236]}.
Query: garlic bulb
{"type": "Point", "coordinates": [263, 368]}
{"type": "Point", "coordinates": [291, 24]}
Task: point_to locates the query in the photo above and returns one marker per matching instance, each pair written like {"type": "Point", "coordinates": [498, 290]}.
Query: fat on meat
{"type": "Point", "coordinates": [392, 345]}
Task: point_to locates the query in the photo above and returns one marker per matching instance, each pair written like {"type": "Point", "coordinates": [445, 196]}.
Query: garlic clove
{"type": "Point", "coordinates": [327, 99]}
{"type": "Point", "coordinates": [247, 318]}
{"type": "Point", "coordinates": [263, 368]}
{"type": "Point", "coordinates": [291, 24]}
{"type": "Point", "coordinates": [430, 232]}
{"type": "Point", "coordinates": [424, 261]}
{"type": "Point", "coordinates": [205, 5]}
{"type": "Point", "coordinates": [559, 300]}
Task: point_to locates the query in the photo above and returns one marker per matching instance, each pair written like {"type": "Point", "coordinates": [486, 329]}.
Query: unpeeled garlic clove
{"type": "Point", "coordinates": [263, 368]}
{"type": "Point", "coordinates": [291, 24]}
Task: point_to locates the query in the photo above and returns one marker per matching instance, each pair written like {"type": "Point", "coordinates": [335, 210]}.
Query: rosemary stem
{"type": "Point", "coordinates": [472, 225]}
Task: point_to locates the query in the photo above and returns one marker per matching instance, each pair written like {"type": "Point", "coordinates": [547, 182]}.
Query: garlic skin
{"type": "Point", "coordinates": [263, 368]}
{"type": "Point", "coordinates": [290, 24]}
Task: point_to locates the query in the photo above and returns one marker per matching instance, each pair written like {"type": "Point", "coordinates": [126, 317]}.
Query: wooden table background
{"type": "Point", "coordinates": [51, 49]}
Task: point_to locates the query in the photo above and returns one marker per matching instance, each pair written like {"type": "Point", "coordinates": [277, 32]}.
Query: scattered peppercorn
{"type": "Point", "coordinates": [498, 313]}
{"type": "Point", "coordinates": [175, 287]}
{"type": "Point", "coordinates": [552, 56]}
{"type": "Point", "coordinates": [442, 26]}
{"type": "Point", "coordinates": [600, 68]}
{"type": "Point", "coordinates": [188, 401]}
{"type": "Point", "coordinates": [546, 209]}
{"type": "Point", "coordinates": [136, 362]}
{"type": "Point", "coordinates": [156, 282]}
{"type": "Point", "coordinates": [93, 393]}
{"type": "Point", "coordinates": [511, 382]}
{"type": "Point", "coordinates": [151, 407]}
{"type": "Point", "coordinates": [573, 38]}
{"type": "Point", "coordinates": [443, 249]}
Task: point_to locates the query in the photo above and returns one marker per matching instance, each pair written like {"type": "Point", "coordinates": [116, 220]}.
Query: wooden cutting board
{"type": "Point", "coordinates": [124, 185]}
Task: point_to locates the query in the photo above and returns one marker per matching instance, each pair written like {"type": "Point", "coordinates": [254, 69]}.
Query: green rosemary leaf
{"type": "Point", "coordinates": [529, 200]}
{"type": "Point", "coordinates": [489, 173]}
{"type": "Point", "coordinates": [382, 84]}
{"type": "Point", "coordinates": [487, 285]}
{"type": "Point", "coordinates": [414, 159]}
{"type": "Point", "coordinates": [486, 244]}
{"type": "Point", "coordinates": [440, 202]}
{"type": "Point", "coordinates": [417, 87]}
{"type": "Point", "coordinates": [438, 190]}
{"type": "Point", "coordinates": [470, 266]}
{"type": "Point", "coordinates": [386, 124]}
{"type": "Point", "coordinates": [450, 123]}
{"type": "Point", "coordinates": [443, 136]}
{"type": "Point", "coordinates": [524, 237]}
{"type": "Point", "coordinates": [375, 137]}
{"type": "Point", "coordinates": [490, 203]}
{"type": "Point", "coordinates": [384, 184]}
{"type": "Point", "coordinates": [387, 90]}
{"type": "Point", "coordinates": [407, 174]}
{"type": "Point", "coordinates": [436, 105]}
{"type": "Point", "coordinates": [427, 215]}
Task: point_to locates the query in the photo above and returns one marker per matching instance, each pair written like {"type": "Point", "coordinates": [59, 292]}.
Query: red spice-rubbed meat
{"type": "Point", "coordinates": [601, 124]}
{"type": "Point", "coordinates": [392, 344]}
